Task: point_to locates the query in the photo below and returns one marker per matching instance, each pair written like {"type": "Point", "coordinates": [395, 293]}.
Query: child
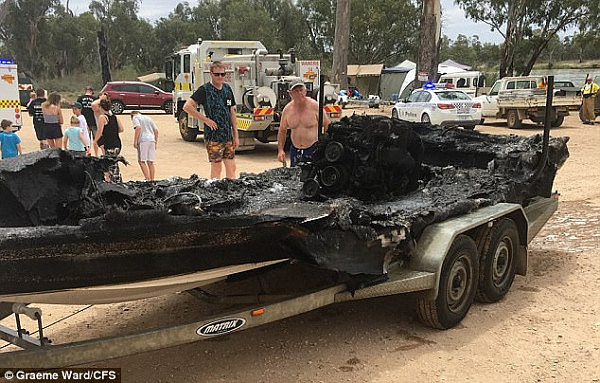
{"type": "Point", "coordinates": [74, 140]}
{"type": "Point", "coordinates": [10, 143]}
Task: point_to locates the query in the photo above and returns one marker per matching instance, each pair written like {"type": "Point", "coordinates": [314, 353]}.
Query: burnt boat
{"type": "Point", "coordinates": [68, 237]}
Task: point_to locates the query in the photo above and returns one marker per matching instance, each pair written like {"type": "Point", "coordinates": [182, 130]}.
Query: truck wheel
{"type": "Point", "coordinates": [457, 288]}
{"type": "Point", "coordinates": [512, 119]}
{"type": "Point", "coordinates": [117, 107]}
{"type": "Point", "coordinates": [497, 264]}
{"type": "Point", "coordinates": [187, 133]}
{"type": "Point", "coordinates": [558, 121]}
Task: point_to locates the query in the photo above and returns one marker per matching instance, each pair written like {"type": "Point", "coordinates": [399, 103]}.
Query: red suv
{"type": "Point", "coordinates": [137, 95]}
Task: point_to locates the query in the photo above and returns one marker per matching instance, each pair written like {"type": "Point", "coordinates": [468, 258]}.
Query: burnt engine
{"type": "Point", "coordinates": [367, 157]}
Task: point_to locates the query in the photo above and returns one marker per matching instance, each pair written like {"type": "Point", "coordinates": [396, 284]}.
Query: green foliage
{"type": "Point", "coordinates": [375, 36]}
{"type": "Point", "coordinates": [52, 44]}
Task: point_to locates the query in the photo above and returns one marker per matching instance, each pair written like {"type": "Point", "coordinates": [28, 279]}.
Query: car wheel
{"type": "Point", "coordinates": [394, 113]}
{"type": "Point", "coordinates": [512, 119]}
{"type": "Point", "coordinates": [558, 121]}
{"type": "Point", "coordinates": [117, 107]}
{"type": "Point", "coordinates": [425, 119]}
{"type": "Point", "coordinates": [168, 107]}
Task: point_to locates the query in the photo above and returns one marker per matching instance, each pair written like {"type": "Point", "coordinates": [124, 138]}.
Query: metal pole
{"type": "Point", "coordinates": [547, 125]}
{"type": "Point", "coordinates": [321, 98]}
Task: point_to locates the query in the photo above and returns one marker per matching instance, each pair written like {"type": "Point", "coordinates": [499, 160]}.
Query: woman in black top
{"type": "Point", "coordinates": [107, 137]}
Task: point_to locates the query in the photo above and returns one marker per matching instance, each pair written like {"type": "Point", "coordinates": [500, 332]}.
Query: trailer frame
{"type": "Point", "coordinates": [421, 274]}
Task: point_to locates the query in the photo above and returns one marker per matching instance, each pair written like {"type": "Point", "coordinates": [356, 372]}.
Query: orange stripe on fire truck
{"type": "Point", "coordinates": [332, 109]}
{"type": "Point", "coordinates": [263, 111]}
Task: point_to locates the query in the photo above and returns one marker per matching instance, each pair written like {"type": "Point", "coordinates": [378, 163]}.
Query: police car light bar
{"type": "Point", "coordinates": [5, 61]}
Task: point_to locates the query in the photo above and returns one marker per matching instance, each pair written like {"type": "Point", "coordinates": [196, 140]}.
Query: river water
{"type": "Point", "coordinates": [577, 76]}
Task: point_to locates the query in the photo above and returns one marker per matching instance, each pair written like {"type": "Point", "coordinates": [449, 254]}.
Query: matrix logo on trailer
{"type": "Point", "coordinates": [221, 326]}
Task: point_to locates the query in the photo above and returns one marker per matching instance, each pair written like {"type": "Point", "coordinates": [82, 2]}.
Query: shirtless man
{"type": "Point", "coordinates": [301, 116]}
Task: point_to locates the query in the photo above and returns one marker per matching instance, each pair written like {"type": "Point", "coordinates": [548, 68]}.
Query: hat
{"type": "Point", "coordinates": [77, 105]}
{"type": "Point", "coordinates": [296, 83]}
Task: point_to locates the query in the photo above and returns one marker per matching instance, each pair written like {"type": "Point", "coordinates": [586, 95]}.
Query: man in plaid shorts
{"type": "Point", "coordinates": [220, 127]}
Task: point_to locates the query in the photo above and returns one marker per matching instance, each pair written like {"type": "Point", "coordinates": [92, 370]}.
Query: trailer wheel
{"type": "Point", "coordinates": [457, 288]}
{"type": "Point", "coordinates": [512, 119]}
{"type": "Point", "coordinates": [187, 133]}
{"type": "Point", "coordinates": [497, 264]}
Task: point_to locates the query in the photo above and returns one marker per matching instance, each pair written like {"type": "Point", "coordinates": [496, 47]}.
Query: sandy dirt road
{"type": "Point", "coordinates": [547, 329]}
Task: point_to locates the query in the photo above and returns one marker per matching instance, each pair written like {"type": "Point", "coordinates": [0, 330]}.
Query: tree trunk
{"type": "Point", "coordinates": [429, 40]}
{"type": "Point", "coordinates": [103, 53]}
{"type": "Point", "coordinates": [340, 44]}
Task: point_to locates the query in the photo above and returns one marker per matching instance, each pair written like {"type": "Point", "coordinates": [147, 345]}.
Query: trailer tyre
{"type": "Point", "coordinates": [457, 287]}
{"type": "Point", "coordinates": [187, 133]}
{"type": "Point", "coordinates": [497, 264]}
{"type": "Point", "coordinates": [512, 119]}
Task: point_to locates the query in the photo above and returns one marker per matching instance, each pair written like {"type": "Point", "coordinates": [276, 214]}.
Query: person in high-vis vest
{"type": "Point", "coordinates": [589, 92]}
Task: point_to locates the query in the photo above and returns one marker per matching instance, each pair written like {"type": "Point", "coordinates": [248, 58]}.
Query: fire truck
{"type": "Point", "coordinates": [259, 81]}
{"type": "Point", "coordinates": [10, 106]}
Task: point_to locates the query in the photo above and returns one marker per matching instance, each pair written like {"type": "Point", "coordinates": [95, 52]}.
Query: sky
{"type": "Point", "coordinates": [454, 21]}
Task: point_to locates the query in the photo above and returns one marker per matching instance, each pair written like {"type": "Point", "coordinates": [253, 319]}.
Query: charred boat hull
{"type": "Point", "coordinates": [77, 232]}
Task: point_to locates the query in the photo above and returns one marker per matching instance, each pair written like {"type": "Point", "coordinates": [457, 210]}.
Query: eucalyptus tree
{"type": "Point", "coordinates": [533, 21]}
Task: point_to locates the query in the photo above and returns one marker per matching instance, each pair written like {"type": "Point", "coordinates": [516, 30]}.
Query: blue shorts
{"type": "Point", "coordinates": [296, 154]}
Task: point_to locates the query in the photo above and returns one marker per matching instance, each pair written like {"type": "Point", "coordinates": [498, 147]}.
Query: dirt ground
{"type": "Point", "coordinates": [547, 329]}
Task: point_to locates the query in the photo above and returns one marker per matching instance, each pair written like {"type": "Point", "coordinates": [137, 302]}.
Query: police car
{"type": "Point", "coordinates": [443, 106]}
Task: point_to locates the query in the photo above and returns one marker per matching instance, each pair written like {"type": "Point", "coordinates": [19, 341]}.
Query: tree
{"type": "Point", "coordinates": [377, 38]}
{"type": "Point", "coordinates": [340, 44]}
{"type": "Point", "coordinates": [429, 38]}
{"type": "Point", "coordinates": [320, 28]}
{"type": "Point", "coordinates": [517, 21]}
{"type": "Point", "coordinates": [25, 24]}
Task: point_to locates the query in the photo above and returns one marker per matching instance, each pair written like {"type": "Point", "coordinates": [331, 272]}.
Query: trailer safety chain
{"type": "Point", "coordinates": [37, 315]}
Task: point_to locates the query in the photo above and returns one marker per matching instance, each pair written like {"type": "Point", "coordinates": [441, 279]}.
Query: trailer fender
{"type": "Point", "coordinates": [433, 245]}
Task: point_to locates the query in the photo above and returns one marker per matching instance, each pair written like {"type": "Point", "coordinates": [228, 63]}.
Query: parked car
{"type": "Point", "coordinates": [563, 84]}
{"type": "Point", "coordinates": [137, 95]}
{"type": "Point", "coordinates": [443, 107]}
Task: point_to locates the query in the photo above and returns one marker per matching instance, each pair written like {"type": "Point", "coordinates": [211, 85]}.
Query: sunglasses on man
{"type": "Point", "coordinates": [222, 74]}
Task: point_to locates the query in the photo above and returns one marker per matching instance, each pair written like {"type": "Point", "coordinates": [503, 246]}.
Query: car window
{"type": "Point", "coordinates": [129, 88]}
{"type": "Point", "coordinates": [462, 83]}
{"type": "Point", "coordinates": [414, 97]}
{"type": "Point", "coordinates": [186, 64]}
{"type": "Point", "coordinates": [526, 84]}
{"type": "Point", "coordinates": [452, 95]}
{"type": "Point", "coordinates": [510, 85]}
{"type": "Point", "coordinates": [146, 89]}
{"type": "Point", "coordinates": [494, 90]}
{"type": "Point", "coordinates": [424, 97]}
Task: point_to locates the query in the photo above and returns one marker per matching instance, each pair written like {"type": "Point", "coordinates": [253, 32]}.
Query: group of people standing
{"type": "Point", "coordinates": [300, 116]}
{"type": "Point", "coordinates": [92, 125]}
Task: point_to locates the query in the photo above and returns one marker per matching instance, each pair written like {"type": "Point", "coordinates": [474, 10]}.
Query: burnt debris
{"type": "Point", "coordinates": [365, 157]}
{"type": "Point", "coordinates": [137, 230]}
